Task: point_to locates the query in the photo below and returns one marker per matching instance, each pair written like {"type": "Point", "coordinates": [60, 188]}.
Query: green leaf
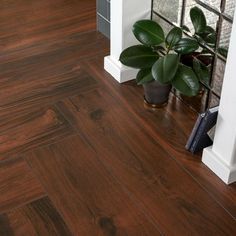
{"type": "Point", "coordinates": [202, 72]}
{"type": "Point", "coordinates": [165, 68]}
{"type": "Point", "coordinates": [200, 39]}
{"type": "Point", "coordinates": [144, 76]}
{"type": "Point", "coordinates": [186, 81]}
{"type": "Point", "coordinates": [148, 32]}
{"type": "Point", "coordinates": [210, 39]}
{"type": "Point", "coordinates": [138, 56]}
{"type": "Point", "coordinates": [186, 45]}
{"type": "Point", "coordinates": [209, 30]}
{"type": "Point", "coordinates": [173, 37]}
{"type": "Point", "coordinates": [185, 28]}
{"type": "Point", "coordinates": [198, 19]}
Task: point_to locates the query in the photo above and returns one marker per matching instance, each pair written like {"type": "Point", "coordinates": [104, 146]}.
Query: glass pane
{"type": "Point", "coordinates": [218, 76]}
{"type": "Point", "coordinates": [213, 100]}
{"type": "Point", "coordinates": [165, 25]}
{"type": "Point", "coordinates": [225, 35]}
{"type": "Point", "coordinates": [230, 7]}
{"type": "Point", "coordinates": [170, 9]}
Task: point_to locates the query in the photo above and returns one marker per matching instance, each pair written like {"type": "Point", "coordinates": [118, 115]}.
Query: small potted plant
{"type": "Point", "coordinates": [170, 61]}
{"type": "Point", "coordinates": [158, 61]}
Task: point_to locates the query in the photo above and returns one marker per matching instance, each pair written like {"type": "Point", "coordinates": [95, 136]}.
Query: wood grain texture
{"type": "Point", "coordinates": [37, 218]}
{"type": "Point", "coordinates": [25, 24]}
{"type": "Point", "coordinates": [124, 171]}
{"type": "Point", "coordinates": [27, 131]}
{"type": "Point", "coordinates": [40, 51]}
{"type": "Point", "coordinates": [145, 168]}
{"type": "Point", "coordinates": [25, 90]}
{"type": "Point", "coordinates": [170, 127]}
{"type": "Point", "coordinates": [18, 185]}
{"type": "Point", "coordinates": [90, 200]}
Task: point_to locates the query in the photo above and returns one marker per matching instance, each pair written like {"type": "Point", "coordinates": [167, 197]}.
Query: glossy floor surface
{"type": "Point", "coordinates": [80, 155]}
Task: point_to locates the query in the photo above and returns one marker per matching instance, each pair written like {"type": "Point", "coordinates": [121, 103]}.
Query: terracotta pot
{"type": "Point", "coordinates": [156, 94]}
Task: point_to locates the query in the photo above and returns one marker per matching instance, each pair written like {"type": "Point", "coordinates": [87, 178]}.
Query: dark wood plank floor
{"type": "Point", "coordinates": [79, 153]}
{"type": "Point", "coordinates": [36, 218]}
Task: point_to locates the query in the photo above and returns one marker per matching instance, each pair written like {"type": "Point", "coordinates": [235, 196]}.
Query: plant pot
{"type": "Point", "coordinates": [155, 94]}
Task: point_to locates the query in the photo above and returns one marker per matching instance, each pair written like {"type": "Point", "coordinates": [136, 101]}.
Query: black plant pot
{"type": "Point", "coordinates": [155, 94]}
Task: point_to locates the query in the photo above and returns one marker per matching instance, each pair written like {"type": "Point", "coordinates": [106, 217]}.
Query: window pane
{"type": "Point", "coordinates": [225, 35]}
{"type": "Point", "coordinates": [230, 7]}
{"type": "Point", "coordinates": [171, 9]}
{"type": "Point", "coordinates": [218, 76]}
{"type": "Point", "coordinates": [165, 25]}
{"type": "Point", "coordinates": [213, 100]}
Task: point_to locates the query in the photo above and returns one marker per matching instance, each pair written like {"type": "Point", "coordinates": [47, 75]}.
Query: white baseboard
{"type": "Point", "coordinates": [119, 72]}
{"type": "Point", "coordinates": [218, 166]}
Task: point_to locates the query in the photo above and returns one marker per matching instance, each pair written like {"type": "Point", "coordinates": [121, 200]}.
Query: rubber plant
{"type": "Point", "coordinates": [173, 59]}
{"type": "Point", "coordinates": [206, 36]}
{"type": "Point", "coordinates": [204, 33]}
{"type": "Point", "coordinates": [158, 57]}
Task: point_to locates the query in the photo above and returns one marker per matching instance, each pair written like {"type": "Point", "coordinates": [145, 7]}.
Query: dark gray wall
{"type": "Point", "coordinates": [103, 17]}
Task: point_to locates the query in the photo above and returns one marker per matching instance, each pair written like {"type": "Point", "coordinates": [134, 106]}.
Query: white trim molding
{"type": "Point", "coordinates": [221, 157]}
{"type": "Point", "coordinates": [124, 13]}
{"type": "Point", "coordinates": [215, 162]}
{"type": "Point", "coordinates": [118, 71]}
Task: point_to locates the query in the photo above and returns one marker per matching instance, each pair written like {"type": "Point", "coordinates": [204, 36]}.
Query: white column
{"type": "Point", "coordinates": [124, 13]}
{"type": "Point", "coordinates": [221, 157]}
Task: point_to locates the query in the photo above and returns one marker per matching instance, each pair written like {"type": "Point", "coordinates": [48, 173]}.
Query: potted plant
{"type": "Point", "coordinates": [158, 61]}
{"type": "Point", "coordinates": [172, 60]}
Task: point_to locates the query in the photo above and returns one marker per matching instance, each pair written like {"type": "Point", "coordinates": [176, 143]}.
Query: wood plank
{"type": "Point", "coordinates": [37, 218]}
{"type": "Point", "coordinates": [26, 131]}
{"type": "Point", "coordinates": [50, 52]}
{"type": "Point", "coordinates": [90, 200]}
{"type": "Point", "coordinates": [23, 24]}
{"type": "Point", "coordinates": [26, 86]}
{"type": "Point", "coordinates": [18, 185]}
{"type": "Point", "coordinates": [171, 128]}
{"type": "Point", "coordinates": [163, 188]}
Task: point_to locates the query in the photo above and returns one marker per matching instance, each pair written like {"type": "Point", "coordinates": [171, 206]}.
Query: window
{"type": "Point", "coordinates": [219, 15]}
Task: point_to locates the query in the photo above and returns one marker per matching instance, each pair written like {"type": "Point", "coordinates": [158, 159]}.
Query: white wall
{"type": "Point", "coordinates": [124, 13]}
